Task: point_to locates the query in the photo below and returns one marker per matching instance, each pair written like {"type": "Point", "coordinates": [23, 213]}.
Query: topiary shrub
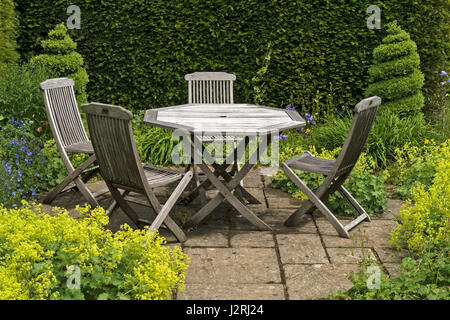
{"type": "Point", "coordinates": [8, 25]}
{"type": "Point", "coordinates": [395, 75]}
{"type": "Point", "coordinates": [40, 253]}
{"type": "Point", "coordinates": [61, 58]}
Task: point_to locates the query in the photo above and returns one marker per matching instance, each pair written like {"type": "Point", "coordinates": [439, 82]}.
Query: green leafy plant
{"type": "Point", "coordinates": [425, 219]}
{"type": "Point", "coordinates": [61, 58]}
{"type": "Point", "coordinates": [395, 75]}
{"type": "Point", "coordinates": [21, 163]}
{"type": "Point", "coordinates": [21, 98]}
{"type": "Point", "coordinates": [424, 278]}
{"type": "Point", "coordinates": [28, 166]}
{"type": "Point", "coordinates": [366, 187]}
{"type": "Point", "coordinates": [40, 253]}
{"type": "Point", "coordinates": [388, 133]}
{"type": "Point", "coordinates": [415, 165]}
{"type": "Point", "coordinates": [156, 146]}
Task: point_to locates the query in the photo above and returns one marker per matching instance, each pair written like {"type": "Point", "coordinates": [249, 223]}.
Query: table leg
{"type": "Point", "coordinates": [225, 194]}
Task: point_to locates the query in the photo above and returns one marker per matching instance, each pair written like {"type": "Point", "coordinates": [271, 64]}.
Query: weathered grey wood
{"type": "Point", "coordinates": [214, 120]}
{"type": "Point", "coordinates": [70, 178]}
{"type": "Point", "coordinates": [121, 168]}
{"type": "Point", "coordinates": [208, 92]}
{"type": "Point", "coordinates": [69, 134]}
{"type": "Point", "coordinates": [225, 194]}
{"type": "Point", "coordinates": [336, 171]}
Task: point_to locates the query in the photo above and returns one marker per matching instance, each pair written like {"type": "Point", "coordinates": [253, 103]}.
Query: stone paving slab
{"type": "Point", "coordinates": [277, 199]}
{"type": "Point", "coordinates": [232, 265]}
{"type": "Point", "coordinates": [301, 248]}
{"type": "Point", "coordinates": [205, 236]}
{"type": "Point", "coordinates": [390, 255]}
{"type": "Point", "coordinates": [349, 255]}
{"type": "Point", "coordinates": [303, 281]}
{"type": "Point", "coordinates": [392, 269]}
{"type": "Point", "coordinates": [232, 260]}
{"type": "Point", "coordinates": [232, 292]}
{"type": "Point", "coordinates": [275, 218]}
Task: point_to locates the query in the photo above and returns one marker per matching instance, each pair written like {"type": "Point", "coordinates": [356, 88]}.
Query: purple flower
{"type": "Point", "coordinates": [299, 129]}
{"type": "Point", "coordinates": [283, 137]}
{"type": "Point", "coordinates": [437, 116]}
{"type": "Point", "coordinates": [443, 73]}
{"type": "Point", "coordinates": [309, 118]}
{"type": "Point", "coordinates": [443, 83]}
{"type": "Point", "coordinates": [288, 107]}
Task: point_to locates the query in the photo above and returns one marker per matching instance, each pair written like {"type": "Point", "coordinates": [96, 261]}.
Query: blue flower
{"type": "Point", "coordinates": [443, 83]}
{"type": "Point", "coordinates": [443, 73]}
{"type": "Point", "coordinates": [309, 118]}
{"type": "Point", "coordinates": [437, 116]}
{"type": "Point", "coordinates": [288, 107]}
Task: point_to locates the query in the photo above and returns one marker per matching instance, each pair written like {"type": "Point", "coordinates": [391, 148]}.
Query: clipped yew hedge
{"type": "Point", "coordinates": [137, 52]}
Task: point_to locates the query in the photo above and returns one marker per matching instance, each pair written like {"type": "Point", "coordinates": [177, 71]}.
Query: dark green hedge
{"type": "Point", "coordinates": [137, 52]}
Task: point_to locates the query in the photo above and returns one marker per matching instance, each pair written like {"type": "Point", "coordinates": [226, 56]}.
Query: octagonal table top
{"type": "Point", "coordinates": [225, 119]}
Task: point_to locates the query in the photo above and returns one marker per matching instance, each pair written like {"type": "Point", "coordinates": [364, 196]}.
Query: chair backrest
{"type": "Point", "coordinates": [114, 146]}
{"type": "Point", "coordinates": [62, 111]}
{"type": "Point", "coordinates": [355, 141]}
{"type": "Point", "coordinates": [210, 87]}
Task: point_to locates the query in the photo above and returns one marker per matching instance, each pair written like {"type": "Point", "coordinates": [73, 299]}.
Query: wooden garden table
{"type": "Point", "coordinates": [239, 120]}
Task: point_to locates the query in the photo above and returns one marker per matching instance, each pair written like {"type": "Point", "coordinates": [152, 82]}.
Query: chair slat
{"type": "Point", "coordinates": [210, 87]}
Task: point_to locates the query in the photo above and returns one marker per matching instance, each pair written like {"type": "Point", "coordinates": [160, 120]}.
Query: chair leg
{"type": "Point", "coordinates": [238, 164]}
{"type": "Point", "coordinates": [163, 212]}
{"type": "Point", "coordinates": [363, 215]}
{"type": "Point", "coordinates": [315, 200]}
{"type": "Point", "coordinates": [73, 176]}
{"type": "Point", "coordinates": [119, 197]}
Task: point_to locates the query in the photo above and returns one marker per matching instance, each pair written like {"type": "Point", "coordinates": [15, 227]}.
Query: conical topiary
{"type": "Point", "coordinates": [61, 59]}
{"type": "Point", "coordinates": [395, 75]}
{"type": "Point", "coordinates": [8, 32]}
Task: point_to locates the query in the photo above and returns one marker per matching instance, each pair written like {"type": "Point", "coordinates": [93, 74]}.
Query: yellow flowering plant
{"type": "Point", "coordinates": [39, 254]}
{"type": "Point", "coordinates": [424, 220]}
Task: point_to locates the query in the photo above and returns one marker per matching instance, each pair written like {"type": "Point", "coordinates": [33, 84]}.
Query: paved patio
{"type": "Point", "coordinates": [230, 259]}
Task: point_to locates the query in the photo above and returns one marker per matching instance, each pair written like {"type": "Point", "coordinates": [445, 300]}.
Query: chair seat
{"type": "Point", "coordinates": [81, 147]}
{"type": "Point", "coordinates": [157, 177]}
{"type": "Point", "coordinates": [307, 162]}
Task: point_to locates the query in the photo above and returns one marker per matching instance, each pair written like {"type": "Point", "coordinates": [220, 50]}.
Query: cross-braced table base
{"type": "Point", "coordinates": [231, 183]}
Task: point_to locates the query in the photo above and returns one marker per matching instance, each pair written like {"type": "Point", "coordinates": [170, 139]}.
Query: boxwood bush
{"type": "Point", "coordinates": [40, 252]}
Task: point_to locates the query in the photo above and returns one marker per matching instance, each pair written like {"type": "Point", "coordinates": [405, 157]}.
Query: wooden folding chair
{"type": "Point", "coordinates": [212, 88]}
{"type": "Point", "coordinates": [121, 168]}
{"type": "Point", "coordinates": [70, 138]}
{"type": "Point", "coordinates": [336, 171]}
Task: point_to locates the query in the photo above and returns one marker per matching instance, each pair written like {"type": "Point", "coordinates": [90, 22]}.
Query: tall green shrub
{"type": "Point", "coordinates": [395, 75]}
{"type": "Point", "coordinates": [21, 98]}
{"type": "Point", "coordinates": [8, 33]}
{"type": "Point", "coordinates": [61, 58]}
{"type": "Point", "coordinates": [137, 54]}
